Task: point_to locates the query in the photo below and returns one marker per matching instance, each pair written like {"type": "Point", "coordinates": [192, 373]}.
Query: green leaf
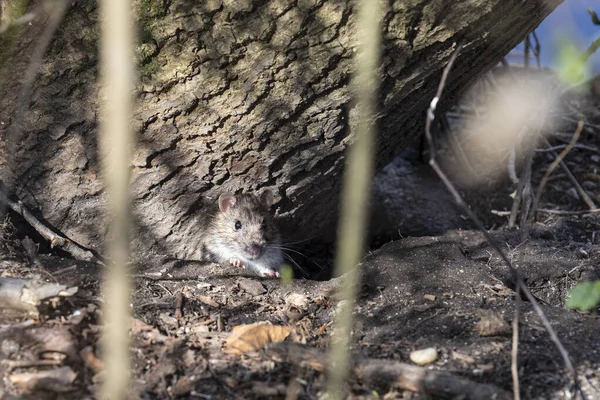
{"type": "Point", "coordinates": [287, 274]}
{"type": "Point", "coordinates": [568, 62]}
{"type": "Point", "coordinates": [595, 19]}
{"type": "Point", "coordinates": [584, 296]}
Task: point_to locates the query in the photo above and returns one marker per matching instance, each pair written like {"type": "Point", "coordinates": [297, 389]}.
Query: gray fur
{"type": "Point", "coordinates": [222, 242]}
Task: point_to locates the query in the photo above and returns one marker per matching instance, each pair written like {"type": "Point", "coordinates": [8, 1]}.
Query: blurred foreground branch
{"type": "Point", "coordinates": [357, 179]}
{"type": "Point", "coordinates": [117, 74]}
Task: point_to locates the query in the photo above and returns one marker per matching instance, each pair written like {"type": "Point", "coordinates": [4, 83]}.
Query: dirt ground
{"type": "Point", "coordinates": [430, 281]}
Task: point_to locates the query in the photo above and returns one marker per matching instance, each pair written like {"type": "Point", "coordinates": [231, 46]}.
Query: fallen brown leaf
{"type": "Point", "coordinates": [90, 359]}
{"type": "Point", "coordinates": [253, 337]}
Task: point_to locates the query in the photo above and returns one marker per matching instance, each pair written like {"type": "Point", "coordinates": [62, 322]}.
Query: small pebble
{"type": "Point", "coordinates": [252, 286]}
{"type": "Point", "coordinates": [589, 185]}
{"type": "Point", "coordinates": [9, 347]}
{"type": "Point", "coordinates": [424, 356]}
{"type": "Point", "coordinates": [573, 193]}
{"type": "Point", "coordinates": [298, 300]}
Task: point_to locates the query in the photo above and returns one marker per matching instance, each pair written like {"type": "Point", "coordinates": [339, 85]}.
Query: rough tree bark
{"type": "Point", "coordinates": [236, 95]}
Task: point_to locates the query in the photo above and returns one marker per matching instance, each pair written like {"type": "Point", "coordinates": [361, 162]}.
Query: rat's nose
{"type": "Point", "coordinates": [255, 250]}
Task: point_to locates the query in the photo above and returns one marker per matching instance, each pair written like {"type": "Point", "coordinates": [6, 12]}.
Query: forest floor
{"type": "Point", "coordinates": [207, 332]}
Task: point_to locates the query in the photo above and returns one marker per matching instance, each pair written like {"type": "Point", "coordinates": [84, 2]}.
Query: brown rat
{"type": "Point", "coordinates": [240, 230]}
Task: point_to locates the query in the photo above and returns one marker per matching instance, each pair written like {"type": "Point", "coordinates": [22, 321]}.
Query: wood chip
{"type": "Point", "coordinates": [252, 286]}
{"type": "Point", "coordinates": [208, 301]}
{"type": "Point", "coordinates": [463, 357]}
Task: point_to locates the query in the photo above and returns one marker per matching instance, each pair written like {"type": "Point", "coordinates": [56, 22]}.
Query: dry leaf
{"type": "Point", "coordinates": [54, 380]}
{"type": "Point", "coordinates": [208, 301]}
{"type": "Point", "coordinates": [491, 324]}
{"type": "Point", "coordinates": [253, 337]}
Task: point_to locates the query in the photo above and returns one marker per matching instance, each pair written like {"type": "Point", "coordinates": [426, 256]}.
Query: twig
{"type": "Point", "coordinates": [460, 202]}
{"type": "Point", "coordinates": [13, 364]}
{"type": "Point", "coordinates": [514, 211]}
{"type": "Point", "coordinates": [56, 240]}
{"type": "Point", "coordinates": [586, 198]}
{"type": "Point", "coordinates": [10, 329]}
{"type": "Point", "coordinates": [553, 166]}
{"type": "Point", "coordinates": [537, 50]}
{"type": "Point", "coordinates": [523, 195]}
{"type": "Point", "coordinates": [514, 365]}
{"type": "Point", "coordinates": [527, 49]}
{"type": "Point", "coordinates": [64, 270]}
{"type": "Point", "coordinates": [512, 166]}
{"type": "Point", "coordinates": [527, 194]}
{"type": "Point", "coordinates": [561, 212]}
{"type": "Point", "coordinates": [455, 142]}
{"type": "Point", "coordinates": [23, 19]}
{"type": "Point", "coordinates": [551, 148]}
{"type": "Point", "coordinates": [178, 304]}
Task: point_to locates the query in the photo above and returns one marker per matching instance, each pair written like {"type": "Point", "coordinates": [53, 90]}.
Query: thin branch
{"type": "Point", "coordinates": [514, 364]}
{"type": "Point", "coordinates": [586, 197]}
{"type": "Point", "coordinates": [78, 252]}
{"type": "Point", "coordinates": [455, 145]}
{"type": "Point", "coordinates": [117, 74]}
{"type": "Point", "coordinates": [551, 148]}
{"type": "Point", "coordinates": [553, 166]}
{"type": "Point", "coordinates": [23, 19]}
{"type": "Point", "coordinates": [527, 49]}
{"type": "Point", "coordinates": [527, 194]}
{"type": "Point", "coordinates": [561, 212]}
{"type": "Point", "coordinates": [537, 49]}
{"type": "Point", "coordinates": [14, 364]}
{"type": "Point", "coordinates": [460, 202]}
{"type": "Point", "coordinates": [523, 191]}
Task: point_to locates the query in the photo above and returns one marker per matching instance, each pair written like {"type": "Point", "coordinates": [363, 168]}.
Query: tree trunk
{"type": "Point", "coordinates": [236, 95]}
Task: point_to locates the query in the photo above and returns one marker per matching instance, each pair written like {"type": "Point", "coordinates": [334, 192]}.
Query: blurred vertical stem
{"type": "Point", "coordinates": [117, 74]}
{"type": "Point", "coordinates": [356, 190]}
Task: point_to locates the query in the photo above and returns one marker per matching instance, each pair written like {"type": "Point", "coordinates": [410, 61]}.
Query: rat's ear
{"type": "Point", "coordinates": [266, 197]}
{"type": "Point", "coordinates": [226, 201]}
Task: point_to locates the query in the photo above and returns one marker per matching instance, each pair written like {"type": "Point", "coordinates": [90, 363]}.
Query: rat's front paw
{"type": "Point", "coordinates": [271, 274]}
{"type": "Point", "coordinates": [236, 262]}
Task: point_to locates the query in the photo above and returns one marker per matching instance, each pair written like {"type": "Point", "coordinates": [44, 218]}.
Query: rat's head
{"type": "Point", "coordinates": [246, 225]}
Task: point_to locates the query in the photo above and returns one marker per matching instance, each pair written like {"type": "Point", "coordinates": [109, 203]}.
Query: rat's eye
{"type": "Point", "coordinates": [238, 225]}
{"type": "Point", "coordinates": [263, 224]}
